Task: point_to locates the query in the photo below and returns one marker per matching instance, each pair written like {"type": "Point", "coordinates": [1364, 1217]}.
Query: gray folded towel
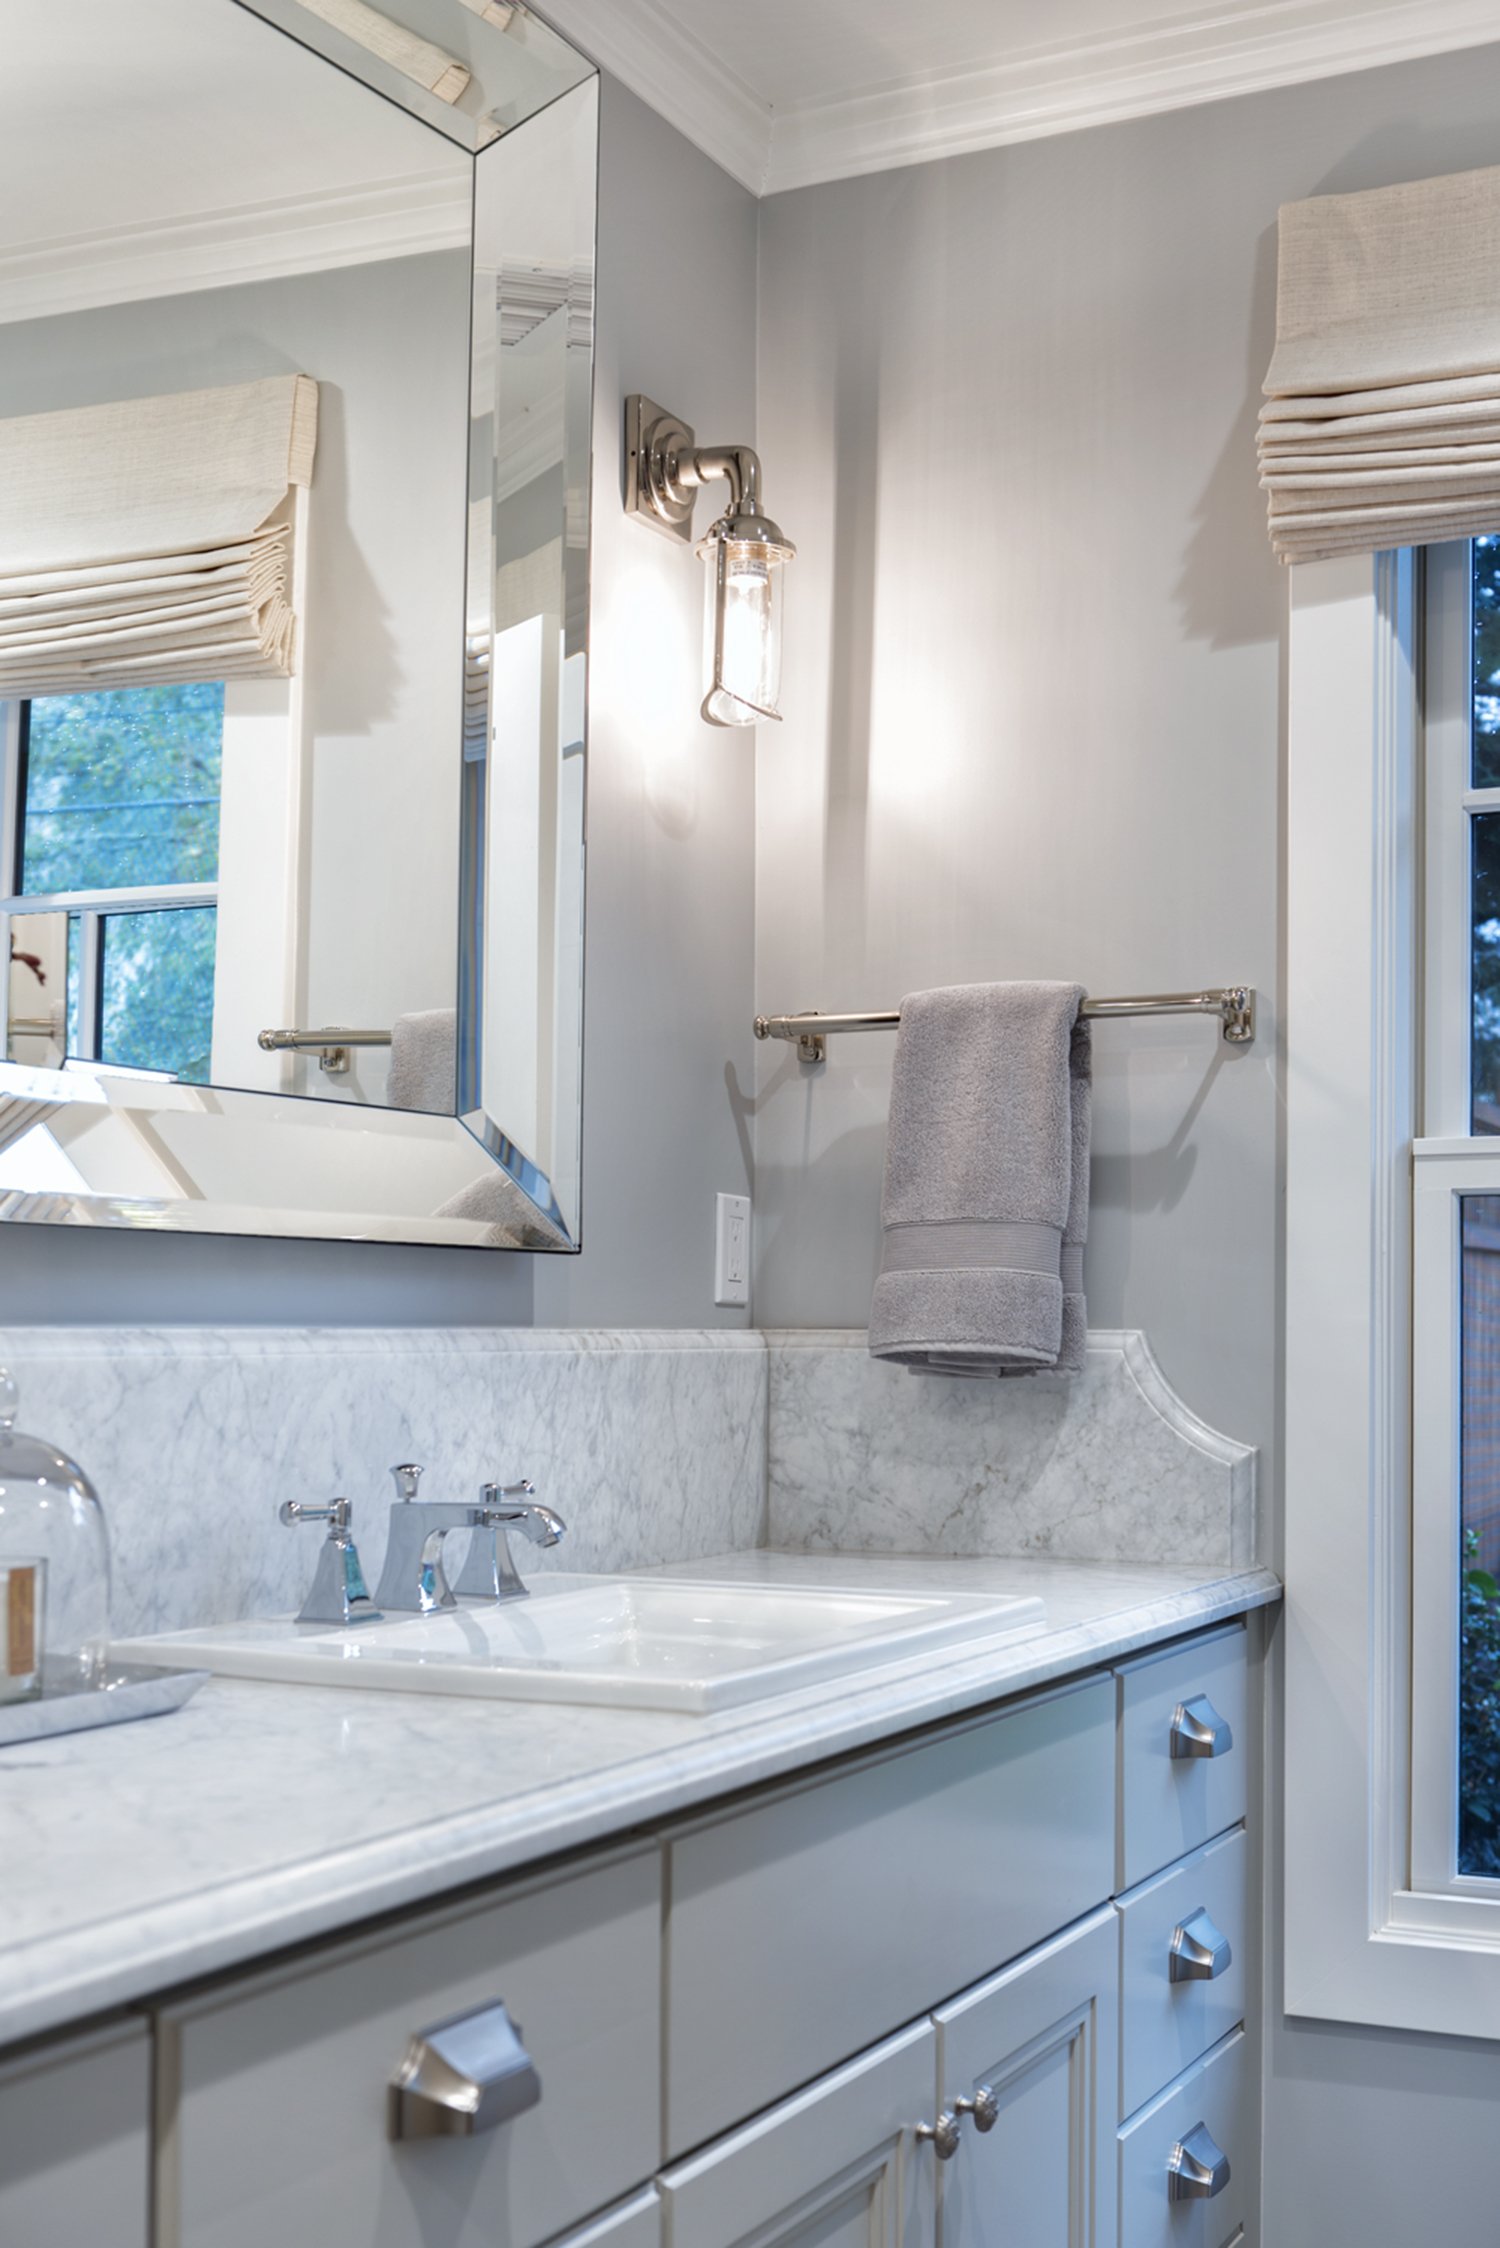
{"type": "Point", "coordinates": [424, 1062]}
{"type": "Point", "coordinates": [985, 1204]}
{"type": "Point", "coordinates": [513, 1219]}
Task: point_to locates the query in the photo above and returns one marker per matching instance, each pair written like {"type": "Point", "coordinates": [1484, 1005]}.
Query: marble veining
{"type": "Point", "coordinates": [1105, 1463]}
{"type": "Point", "coordinates": [260, 1815]}
{"type": "Point", "coordinates": [650, 1444]}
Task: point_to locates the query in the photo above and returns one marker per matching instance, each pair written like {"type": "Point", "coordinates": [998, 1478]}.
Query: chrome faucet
{"type": "Point", "coordinates": [413, 1577]}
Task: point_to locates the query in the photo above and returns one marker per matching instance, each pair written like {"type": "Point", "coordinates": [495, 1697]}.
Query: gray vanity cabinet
{"type": "Point", "coordinates": [985, 1986]}
{"type": "Point", "coordinates": [75, 2142]}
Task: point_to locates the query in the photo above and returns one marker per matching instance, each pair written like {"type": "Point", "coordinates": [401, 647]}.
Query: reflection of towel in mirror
{"type": "Point", "coordinates": [513, 1219]}
{"type": "Point", "coordinates": [424, 1062]}
{"type": "Point", "coordinates": [985, 1206]}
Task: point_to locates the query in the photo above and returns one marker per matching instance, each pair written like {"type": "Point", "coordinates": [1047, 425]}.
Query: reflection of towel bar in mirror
{"type": "Point", "coordinates": [1234, 1006]}
{"type": "Point", "coordinates": [331, 1044]}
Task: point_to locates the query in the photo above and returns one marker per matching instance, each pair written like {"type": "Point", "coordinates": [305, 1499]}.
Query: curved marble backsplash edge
{"type": "Point", "coordinates": [1110, 1464]}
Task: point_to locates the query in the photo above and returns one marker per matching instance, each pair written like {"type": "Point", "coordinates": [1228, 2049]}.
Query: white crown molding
{"type": "Point", "coordinates": [253, 242]}
{"type": "Point", "coordinates": [1165, 63]}
{"type": "Point", "coordinates": [676, 74]}
{"type": "Point", "coordinates": [1154, 67]}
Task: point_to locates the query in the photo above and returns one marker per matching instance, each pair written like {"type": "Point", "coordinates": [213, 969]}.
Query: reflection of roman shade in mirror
{"type": "Point", "coordinates": [416, 58]}
{"type": "Point", "coordinates": [1381, 426]}
{"type": "Point", "coordinates": [152, 540]}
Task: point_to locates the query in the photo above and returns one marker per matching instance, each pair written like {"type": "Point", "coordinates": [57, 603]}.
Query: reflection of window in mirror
{"type": "Point", "coordinates": [113, 802]}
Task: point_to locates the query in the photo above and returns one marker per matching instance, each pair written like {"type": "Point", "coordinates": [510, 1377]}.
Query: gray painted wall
{"type": "Point", "coordinates": [670, 887]}
{"type": "Point", "coordinates": [1035, 641]}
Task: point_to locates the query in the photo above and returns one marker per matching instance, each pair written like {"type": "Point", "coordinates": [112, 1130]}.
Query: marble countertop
{"type": "Point", "coordinates": [141, 1856]}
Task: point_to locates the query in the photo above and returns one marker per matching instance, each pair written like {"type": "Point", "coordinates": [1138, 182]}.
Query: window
{"type": "Point", "coordinates": [112, 812]}
{"type": "Point", "coordinates": [1456, 1243]}
{"type": "Point", "coordinates": [1392, 1900]}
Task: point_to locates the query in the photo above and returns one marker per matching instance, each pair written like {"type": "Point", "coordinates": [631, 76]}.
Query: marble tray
{"type": "Point", "coordinates": [129, 1690]}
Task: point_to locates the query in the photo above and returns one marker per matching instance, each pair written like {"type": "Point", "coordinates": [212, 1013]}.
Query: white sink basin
{"type": "Point", "coordinates": [644, 1642]}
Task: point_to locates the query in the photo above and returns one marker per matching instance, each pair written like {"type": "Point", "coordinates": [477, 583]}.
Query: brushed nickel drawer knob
{"type": "Point", "coordinates": [1199, 1952]}
{"type": "Point", "coordinates": [1197, 2169]}
{"type": "Point", "coordinates": [984, 2107]}
{"type": "Point", "coordinates": [1199, 1730]}
{"type": "Point", "coordinates": [462, 2076]}
{"type": "Point", "coordinates": [943, 2134]}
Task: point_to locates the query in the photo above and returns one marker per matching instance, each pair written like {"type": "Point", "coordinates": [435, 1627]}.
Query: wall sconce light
{"type": "Point", "coordinates": [744, 551]}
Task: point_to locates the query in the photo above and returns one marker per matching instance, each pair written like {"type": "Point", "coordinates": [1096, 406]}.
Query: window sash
{"type": "Point", "coordinates": [1443, 1172]}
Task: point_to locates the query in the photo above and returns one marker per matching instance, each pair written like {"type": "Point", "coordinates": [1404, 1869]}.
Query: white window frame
{"type": "Point", "coordinates": [1378, 1927]}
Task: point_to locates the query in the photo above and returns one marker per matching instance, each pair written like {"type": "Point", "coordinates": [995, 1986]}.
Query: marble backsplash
{"type": "Point", "coordinates": [654, 1446]}
{"type": "Point", "coordinates": [651, 1445]}
{"type": "Point", "coordinates": [1104, 1465]}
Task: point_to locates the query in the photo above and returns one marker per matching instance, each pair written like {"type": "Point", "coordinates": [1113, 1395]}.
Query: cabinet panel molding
{"type": "Point", "coordinates": [838, 2166]}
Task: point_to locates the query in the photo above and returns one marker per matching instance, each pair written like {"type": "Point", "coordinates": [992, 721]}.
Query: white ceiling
{"type": "Point", "coordinates": [787, 92]}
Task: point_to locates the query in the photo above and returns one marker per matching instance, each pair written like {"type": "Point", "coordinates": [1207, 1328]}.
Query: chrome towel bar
{"type": "Point", "coordinates": [331, 1044]}
{"type": "Point", "coordinates": [1234, 1006]}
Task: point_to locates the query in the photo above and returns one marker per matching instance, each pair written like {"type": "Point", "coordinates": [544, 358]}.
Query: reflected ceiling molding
{"type": "Point", "coordinates": [1023, 92]}
{"type": "Point", "coordinates": [252, 242]}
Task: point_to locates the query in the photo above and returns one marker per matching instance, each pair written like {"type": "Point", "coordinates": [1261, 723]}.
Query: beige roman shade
{"type": "Point", "coordinates": [430, 67]}
{"type": "Point", "coordinates": [1381, 425]}
{"type": "Point", "coordinates": [150, 541]}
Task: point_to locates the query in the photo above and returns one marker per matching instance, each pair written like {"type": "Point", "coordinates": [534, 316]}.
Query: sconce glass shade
{"type": "Point", "coordinates": [743, 636]}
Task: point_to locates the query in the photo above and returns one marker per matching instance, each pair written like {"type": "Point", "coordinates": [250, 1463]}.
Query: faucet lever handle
{"type": "Point", "coordinates": [407, 1476]}
{"type": "Point", "coordinates": [292, 1511]}
{"type": "Point", "coordinates": [492, 1494]}
{"type": "Point", "coordinates": [339, 1594]}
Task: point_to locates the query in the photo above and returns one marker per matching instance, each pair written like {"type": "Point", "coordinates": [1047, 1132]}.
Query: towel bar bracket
{"type": "Point", "coordinates": [1234, 1006]}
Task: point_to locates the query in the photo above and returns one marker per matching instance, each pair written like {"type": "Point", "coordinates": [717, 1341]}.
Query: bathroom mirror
{"type": "Point", "coordinates": [296, 319]}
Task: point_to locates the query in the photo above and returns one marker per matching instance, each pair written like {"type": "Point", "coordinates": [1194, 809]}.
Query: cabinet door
{"type": "Point", "coordinates": [75, 2142]}
{"type": "Point", "coordinates": [838, 2166]}
{"type": "Point", "coordinates": [1037, 2050]}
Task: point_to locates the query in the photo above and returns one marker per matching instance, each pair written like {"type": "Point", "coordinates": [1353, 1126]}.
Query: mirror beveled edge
{"type": "Point", "coordinates": [377, 1136]}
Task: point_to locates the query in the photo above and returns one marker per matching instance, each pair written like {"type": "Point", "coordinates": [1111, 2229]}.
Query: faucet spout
{"type": "Point", "coordinates": [490, 1572]}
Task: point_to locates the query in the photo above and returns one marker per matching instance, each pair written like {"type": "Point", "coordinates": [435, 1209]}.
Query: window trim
{"type": "Point", "coordinates": [1362, 1944]}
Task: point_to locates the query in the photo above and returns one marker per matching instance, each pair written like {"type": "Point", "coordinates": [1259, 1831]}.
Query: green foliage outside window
{"type": "Point", "coordinates": [122, 790]}
{"type": "Point", "coordinates": [1479, 1719]}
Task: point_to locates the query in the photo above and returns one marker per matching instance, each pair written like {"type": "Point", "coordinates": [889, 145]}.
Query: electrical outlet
{"type": "Point", "coordinates": [732, 1249]}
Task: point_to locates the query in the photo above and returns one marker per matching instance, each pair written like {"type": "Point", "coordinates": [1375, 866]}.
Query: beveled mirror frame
{"type": "Point", "coordinates": [521, 74]}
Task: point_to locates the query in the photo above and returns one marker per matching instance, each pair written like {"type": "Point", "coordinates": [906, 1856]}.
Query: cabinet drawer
{"type": "Point", "coordinates": [1214, 2095]}
{"type": "Point", "coordinates": [75, 2161]}
{"type": "Point", "coordinates": [274, 2092]}
{"type": "Point", "coordinates": [813, 1923]}
{"type": "Point", "coordinates": [1169, 1804]}
{"type": "Point", "coordinates": [1165, 2025]}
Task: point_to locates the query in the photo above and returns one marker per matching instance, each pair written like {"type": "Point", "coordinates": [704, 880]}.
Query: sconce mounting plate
{"type": "Point", "coordinates": [654, 442]}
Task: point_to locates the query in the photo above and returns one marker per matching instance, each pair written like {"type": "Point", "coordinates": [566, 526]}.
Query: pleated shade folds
{"type": "Point", "coordinates": [1381, 426]}
{"type": "Point", "coordinates": [149, 541]}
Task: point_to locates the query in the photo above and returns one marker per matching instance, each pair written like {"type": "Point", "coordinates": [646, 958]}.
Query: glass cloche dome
{"type": "Point", "coordinates": [50, 1512]}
